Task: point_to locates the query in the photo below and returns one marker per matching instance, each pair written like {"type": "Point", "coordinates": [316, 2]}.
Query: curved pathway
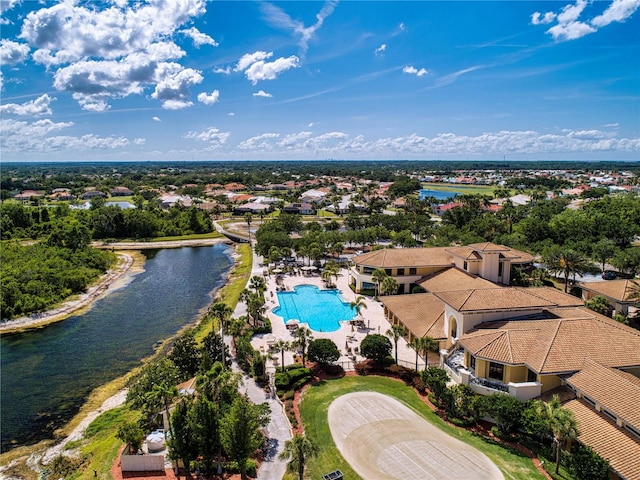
{"type": "Point", "coordinates": [384, 439]}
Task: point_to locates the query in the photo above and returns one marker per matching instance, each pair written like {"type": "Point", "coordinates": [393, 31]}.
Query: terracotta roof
{"type": "Point", "coordinates": [619, 290]}
{"type": "Point", "coordinates": [617, 391]}
{"type": "Point", "coordinates": [620, 447]}
{"type": "Point", "coordinates": [489, 247]}
{"type": "Point", "coordinates": [561, 344]}
{"type": "Point", "coordinates": [405, 257]}
{"type": "Point", "coordinates": [452, 279]}
{"type": "Point", "coordinates": [554, 295]}
{"type": "Point", "coordinates": [466, 252]}
{"type": "Point", "coordinates": [421, 313]}
{"type": "Point", "coordinates": [492, 299]}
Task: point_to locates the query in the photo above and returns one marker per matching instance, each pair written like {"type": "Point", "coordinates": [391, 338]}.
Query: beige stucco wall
{"type": "Point", "coordinates": [549, 382]}
{"type": "Point", "coordinates": [515, 374]}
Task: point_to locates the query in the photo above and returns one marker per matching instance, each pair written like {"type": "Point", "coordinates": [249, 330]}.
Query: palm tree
{"type": "Point", "coordinates": [236, 328]}
{"type": "Point", "coordinates": [358, 304]}
{"type": "Point", "coordinates": [221, 312]}
{"type": "Point", "coordinates": [258, 284]}
{"type": "Point", "coordinates": [395, 333]}
{"type": "Point", "coordinates": [378, 275]}
{"type": "Point", "coordinates": [423, 345]}
{"type": "Point", "coordinates": [389, 286]}
{"type": "Point", "coordinates": [568, 263]}
{"type": "Point", "coordinates": [298, 450]}
{"type": "Point", "coordinates": [634, 292]}
{"type": "Point", "coordinates": [165, 393]}
{"type": "Point", "coordinates": [559, 421]}
{"type": "Point", "coordinates": [282, 346]}
{"type": "Point", "coordinates": [328, 273]}
{"type": "Point", "coordinates": [303, 338]}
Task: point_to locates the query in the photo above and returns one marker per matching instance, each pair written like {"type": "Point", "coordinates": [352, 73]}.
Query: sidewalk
{"type": "Point", "coordinates": [279, 428]}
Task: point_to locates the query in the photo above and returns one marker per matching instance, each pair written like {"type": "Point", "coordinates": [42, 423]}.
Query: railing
{"type": "Point", "coordinates": [489, 384]}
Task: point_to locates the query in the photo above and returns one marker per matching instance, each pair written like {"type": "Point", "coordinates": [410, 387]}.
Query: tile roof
{"type": "Point", "coordinates": [561, 343]}
{"type": "Point", "coordinates": [618, 391]}
{"type": "Point", "coordinates": [453, 279]}
{"type": "Point", "coordinates": [405, 257]}
{"type": "Point", "coordinates": [554, 295]}
{"type": "Point", "coordinates": [421, 313]}
{"type": "Point", "coordinates": [617, 289]}
{"type": "Point", "coordinates": [466, 253]}
{"type": "Point", "coordinates": [618, 446]}
{"type": "Point", "coordinates": [492, 299]}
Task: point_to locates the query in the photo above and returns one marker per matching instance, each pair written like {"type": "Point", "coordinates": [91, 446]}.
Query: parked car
{"type": "Point", "coordinates": [609, 275]}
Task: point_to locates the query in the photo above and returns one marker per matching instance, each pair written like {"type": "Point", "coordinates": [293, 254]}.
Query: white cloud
{"type": "Point", "coordinates": [258, 142]}
{"type": "Point", "coordinates": [279, 18]}
{"type": "Point", "coordinates": [198, 37]}
{"type": "Point", "coordinates": [411, 70]}
{"type": "Point", "coordinates": [212, 135]}
{"type": "Point", "coordinates": [224, 71]}
{"type": "Point", "coordinates": [402, 26]}
{"type": "Point", "coordinates": [139, 141]}
{"type": "Point", "coordinates": [231, 114]}
{"type": "Point", "coordinates": [37, 107]}
{"type": "Point", "coordinates": [7, 5]}
{"type": "Point", "coordinates": [13, 52]}
{"type": "Point", "coordinates": [381, 49]}
{"type": "Point", "coordinates": [311, 124]}
{"type": "Point", "coordinates": [569, 27]}
{"type": "Point", "coordinates": [209, 98]}
{"type": "Point", "coordinates": [18, 138]}
{"type": "Point", "coordinates": [293, 139]}
{"type": "Point", "coordinates": [262, 93]}
{"type": "Point", "coordinates": [250, 58]}
{"type": "Point", "coordinates": [270, 70]}
{"type": "Point", "coordinates": [156, 119]}
{"type": "Point", "coordinates": [618, 11]}
{"type": "Point", "coordinates": [538, 19]}
{"type": "Point", "coordinates": [119, 50]}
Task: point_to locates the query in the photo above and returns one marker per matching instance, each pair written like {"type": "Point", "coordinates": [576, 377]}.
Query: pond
{"type": "Point", "coordinates": [48, 373]}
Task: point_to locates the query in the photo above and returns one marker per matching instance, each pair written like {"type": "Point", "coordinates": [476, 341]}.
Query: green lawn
{"type": "Point", "coordinates": [316, 401]}
{"type": "Point", "coordinates": [193, 236]}
{"type": "Point", "coordinates": [467, 189]}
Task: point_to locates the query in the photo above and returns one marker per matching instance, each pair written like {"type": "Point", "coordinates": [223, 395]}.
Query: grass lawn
{"type": "Point", "coordinates": [316, 401]}
{"type": "Point", "coordinates": [454, 187]}
{"type": "Point", "coordinates": [194, 236]}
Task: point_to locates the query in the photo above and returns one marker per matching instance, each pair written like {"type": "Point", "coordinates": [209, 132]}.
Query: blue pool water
{"type": "Point", "coordinates": [321, 309]}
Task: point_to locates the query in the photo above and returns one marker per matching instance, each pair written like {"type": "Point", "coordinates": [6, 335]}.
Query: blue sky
{"type": "Point", "coordinates": [202, 80]}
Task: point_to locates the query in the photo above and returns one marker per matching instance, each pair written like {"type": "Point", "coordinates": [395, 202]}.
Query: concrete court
{"type": "Point", "coordinates": [383, 439]}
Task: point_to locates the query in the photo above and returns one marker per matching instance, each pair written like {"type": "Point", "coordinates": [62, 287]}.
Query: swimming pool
{"type": "Point", "coordinates": [321, 309]}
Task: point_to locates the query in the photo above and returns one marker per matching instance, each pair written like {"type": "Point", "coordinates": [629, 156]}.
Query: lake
{"type": "Point", "coordinates": [437, 194]}
{"type": "Point", "coordinates": [48, 373]}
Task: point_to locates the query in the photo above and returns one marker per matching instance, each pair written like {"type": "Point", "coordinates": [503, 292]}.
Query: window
{"type": "Point", "coordinates": [367, 270]}
{"type": "Point", "coordinates": [465, 266]}
{"type": "Point", "coordinates": [388, 271]}
{"type": "Point", "coordinates": [496, 371]}
{"type": "Point", "coordinates": [472, 362]}
{"type": "Point", "coordinates": [531, 376]}
{"type": "Point", "coordinates": [400, 271]}
{"type": "Point", "coordinates": [412, 271]}
{"type": "Point", "coordinates": [500, 268]}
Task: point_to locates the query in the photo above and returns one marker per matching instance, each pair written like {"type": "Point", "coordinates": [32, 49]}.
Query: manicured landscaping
{"type": "Point", "coordinates": [313, 411]}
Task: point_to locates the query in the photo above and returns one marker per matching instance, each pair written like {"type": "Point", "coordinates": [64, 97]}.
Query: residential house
{"type": "Point", "coordinates": [120, 192]}
{"type": "Point", "coordinates": [234, 187]}
{"type": "Point", "coordinates": [27, 195]}
{"type": "Point", "coordinates": [617, 292]}
{"type": "Point", "coordinates": [299, 208]}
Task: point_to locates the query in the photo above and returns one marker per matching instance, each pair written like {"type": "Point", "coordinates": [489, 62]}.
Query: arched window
{"type": "Point", "coordinates": [453, 328]}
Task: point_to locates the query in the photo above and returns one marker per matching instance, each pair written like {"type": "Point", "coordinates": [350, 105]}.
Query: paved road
{"type": "Point", "coordinates": [279, 428]}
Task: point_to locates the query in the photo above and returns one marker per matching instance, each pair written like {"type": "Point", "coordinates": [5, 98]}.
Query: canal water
{"type": "Point", "coordinates": [46, 374]}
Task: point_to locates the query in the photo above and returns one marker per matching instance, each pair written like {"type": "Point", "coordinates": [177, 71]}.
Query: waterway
{"type": "Point", "coordinates": [48, 373]}
{"type": "Point", "coordinates": [437, 194]}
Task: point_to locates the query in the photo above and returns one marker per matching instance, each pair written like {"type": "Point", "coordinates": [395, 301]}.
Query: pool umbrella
{"type": "Point", "coordinates": [293, 321]}
{"type": "Point", "coordinates": [277, 270]}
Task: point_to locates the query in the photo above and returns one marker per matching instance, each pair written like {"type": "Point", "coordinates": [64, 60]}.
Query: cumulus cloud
{"type": "Point", "coordinates": [270, 70]}
{"type": "Point", "coordinates": [381, 49]}
{"type": "Point", "coordinates": [209, 98]}
{"type": "Point", "coordinates": [213, 136]}
{"type": "Point", "coordinates": [37, 107]}
{"type": "Point", "coordinates": [198, 37]}
{"type": "Point", "coordinates": [13, 52]}
{"type": "Point", "coordinates": [18, 137]}
{"type": "Point", "coordinates": [250, 58]}
{"type": "Point", "coordinates": [231, 114]}
{"type": "Point", "coordinates": [569, 27]}
{"type": "Point", "coordinates": [110, 53]}
{"type": "Point", "coordinates": [156, 119]}
{"type": "Point", "coordinates": [411, 70]}
{"type": "Point", "coordinates": [222, 70]}
{"type": "Point", "coordinates": [262, 93]}
{"type": "Point", "coordinates": [258, 142]}
{"type": "Point", "coordinates": [280, 19]}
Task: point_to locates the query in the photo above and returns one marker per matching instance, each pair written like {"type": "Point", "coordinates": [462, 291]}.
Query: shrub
{"type": "Point", "coordinates": [251, 467]}
{"type": "Point", "coordinates": [362, 368]}
{"type": "Point", "coordinates": [585, 464]}
{"type": "Point", "coordinates": [323, 351]}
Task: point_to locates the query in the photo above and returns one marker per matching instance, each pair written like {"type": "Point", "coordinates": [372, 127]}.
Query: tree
{"type": "Point", "coordinates": [559, 422]}
{"type": "Point", "coordinates": [153, 373]}
{"type": "Point", "coordinates": [634, 292]}
{"type": "Point", "coordinates": [567, 262]}
{"type": "Point", "coordinates": [328, 273]}
{"type": "Point", "coordinates": [297, 451]}
{"type": "Point", "coordinates": [214, 350]}
{"type": "Point", "coordinates": [258, 284]}
{"type": "Point", "coordinates": [358, 304]}
{"type": "Point", "coordinates": [222, 313]}
{"type": "Point", "coordinates": [375, 347]}
{"type": "Point", "coordinates": [182, 443]}
{"type": "Point", "coordinates": [165, 392]}
{"type": "Point", "coordinates": [378, 275]}
{"type": "Point", "coordinates": [282, 346]}
{"type": "Point", "coordinates": [70, 233]}
{"type": "Point", "coordinates": [303, 337]}
{"type": "Point", "coordinates": [422, 346]}
{"type": "Point", "coordinates": [603, 250]}
{"type": "Point", "coordinates": [599, 304]}
{"type": "Point", "coordinates": [396, 332]}
{"type": "Point", "coordinates": [131, 434]}
{"type": "Point", "coordinates": [389, 286]}
{"type": "Point", "coordinates": [585, 464]}
{"type": "Point", "coordinates": [185, 355]}
{"type": "Point", "coordinates": [505, 410]}
{"type": "Point", "coordinates": [436, 379]}
{"type": "Point", "coordinates": [204, 421]}
{"type": "Point", "coordinates": [247, 218]}
{"type": "Point", "coordinates": [240, 433]}
{"type": "Point", "coordinates": [323, 351]}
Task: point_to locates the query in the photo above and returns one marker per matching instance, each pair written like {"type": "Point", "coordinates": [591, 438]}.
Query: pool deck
{"type": "Point", "coordinates": [345, 337]}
